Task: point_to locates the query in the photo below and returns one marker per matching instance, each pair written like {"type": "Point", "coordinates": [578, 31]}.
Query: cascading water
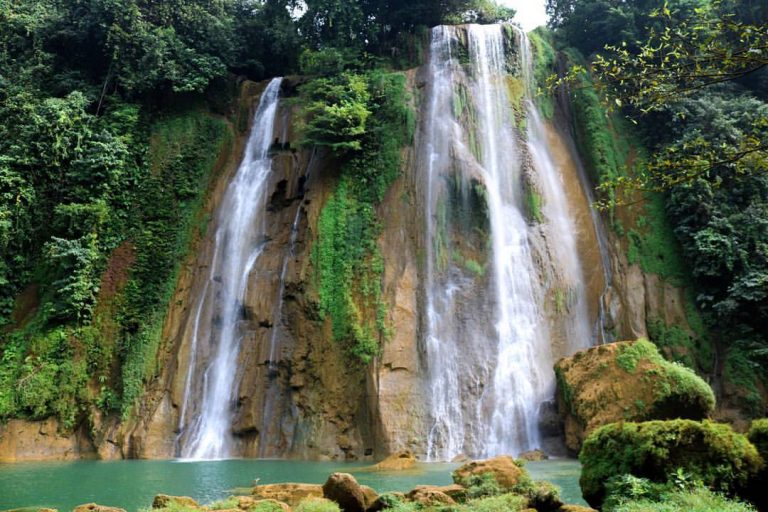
{"type": "Point", "coordinates": [206, 413]}
{"type": "Point", "coordinates": [487, 331]}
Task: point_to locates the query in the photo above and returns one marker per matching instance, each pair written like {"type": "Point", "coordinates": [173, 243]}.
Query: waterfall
{"type": "Point", "coordinates": [210, 383]}
{"type": "Point", "coordinates": [489, 280]}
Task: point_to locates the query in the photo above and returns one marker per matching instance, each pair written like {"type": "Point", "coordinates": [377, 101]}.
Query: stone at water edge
{"type": "Point", "coordinates": [575, 508]}
{"type": "Point", "coordinates": [165, 501]}
{"type": "Point", "coordinates": [94, 507]}
{"type": "Point", "coordinates": [503, 468]}
{"type": "Point", "coordinates": [283, 506]}
{"type": "Point", "coordinates": [404, 459]}
{"type": "Point", "coordinates": [429, 496]}
{"type": "Point", "coordinates": [248, 502]}
{"type": "Point", "coordinates": [346, 492]}
{"type": "Point", "coordinates": [381, 502]}
{"type": "Point", "coordinates": [289, 493]}
{"type": "Point", "coordinates": [533, 455]}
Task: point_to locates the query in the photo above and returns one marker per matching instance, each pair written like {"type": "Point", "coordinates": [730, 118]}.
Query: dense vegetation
{"type": "Point", "coordinates": [705, 452]}
{"type": "Point", "coordinates": [684, 147]}
{"type": "Point", "coordinates": [110, 128]}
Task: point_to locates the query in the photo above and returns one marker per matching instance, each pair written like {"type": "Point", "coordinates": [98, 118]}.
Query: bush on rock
{"type": "Point", "coordinates": [708, 452]}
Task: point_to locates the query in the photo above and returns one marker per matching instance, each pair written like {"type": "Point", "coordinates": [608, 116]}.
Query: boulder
{"type": "Point", "coordinates": [429, 496]}
{"type": "Point", "coordinates": [369, 494]}
{"type": "Point", "coordinates": [289, 493]}
{"type": "Point", "coordinates": [344, 490]}
{"type": "Point", "coordinates": [93, 507]}
{"type": "Point", "coordinates": [533, 455]}
{"type": "Point", "coordinates": [165, 501]}
{"type": "Point", "coordinates": [575, 508]}
{"type": "Point", "coordinates": [625, 381]}
{"type": "Point", "coordinates": [544, 497]}
{"type": "Point", "coordinates": [503, 468]}
{"type": "Point", "coordinates": [455, 491]}
{"type": "Point", "coordinates": [709, 452]}
{"type": "Point", "coordinates": [397, 461]}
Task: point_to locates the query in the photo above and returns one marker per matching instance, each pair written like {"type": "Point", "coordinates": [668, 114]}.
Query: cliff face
{"type": "Point", "coordinates": [308, 399]}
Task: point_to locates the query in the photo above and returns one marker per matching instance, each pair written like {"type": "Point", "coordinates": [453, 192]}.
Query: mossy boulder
{"type": "Point", "coordinates": [710, 452]}
{"type": "Point", "coordinates": [625, 381]}
{"type": "Point", "coordinates": [504, 469]}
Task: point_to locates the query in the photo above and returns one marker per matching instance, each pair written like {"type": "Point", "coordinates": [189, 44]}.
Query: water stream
{"type": "Point", "coordinates": [489, 285]}
{"type": "Point", "coordinates": [206, 412]}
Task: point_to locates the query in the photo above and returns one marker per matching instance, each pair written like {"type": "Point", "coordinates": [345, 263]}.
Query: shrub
{"type": "Point", "coordinates": [317, 505]}
{"type": "Point", "coordinates": [483, 486]}
{"type": "Point", "coordinates": [502, 503]}
{"type": "Point", "coordinates": [709, 452]}
{"type": "Point", "coordinates": [696, 500]}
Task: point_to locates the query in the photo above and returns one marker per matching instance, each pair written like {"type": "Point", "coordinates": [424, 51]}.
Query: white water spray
{"type": "Point", "coordinates": [210, 385]}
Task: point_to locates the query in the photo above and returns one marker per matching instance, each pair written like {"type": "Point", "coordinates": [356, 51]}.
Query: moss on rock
{"type": "Point", "coordinates": [626, 381]}
{"type": "Point", "coordinates": [709, 452]}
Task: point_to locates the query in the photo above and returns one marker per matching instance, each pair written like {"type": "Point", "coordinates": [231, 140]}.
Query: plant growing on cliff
{"type": "Point", "coordinates": [348, 266]}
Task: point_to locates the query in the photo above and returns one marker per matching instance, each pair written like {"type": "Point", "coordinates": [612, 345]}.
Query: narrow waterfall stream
{"type": "Point", "coordinates": [206, 413]}
{"type": "Point", "coordinates": [490, 269]}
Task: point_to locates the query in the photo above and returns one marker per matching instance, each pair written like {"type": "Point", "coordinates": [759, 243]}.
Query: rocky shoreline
{"type": "Point", "coordinates": [499, 483]}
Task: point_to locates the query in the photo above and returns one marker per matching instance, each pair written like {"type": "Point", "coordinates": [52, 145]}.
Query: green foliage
{"type": "Point", "coordinates": [544, 61]}
{"type": "Point", "coordinates": [347, 263]}
{"type": "Point", "coordinates": [654, 246]}
{"type": "Point", "coordinates": [182, 155]}
{"type": "Point", "coordinates": [509, 502]}
{"type": "Point", "coordinates": [758, 436]}
{"type": "Point", "coordinates": [697, 500]}
{"type": "Point", "coordinates": [482, 486]}
{"type": "Point", "coordinates": [676, 343]}
{"type": "Point", "coordinates": [744, 373]}
{"type": "Point", "coordinates": [317, 505]}
{"type": "Point", "coordinates": [264, 506]}
{"type": "Point", "coordinates": [337, 110]}
{"type": "Point", "coordinates": [711, 453]}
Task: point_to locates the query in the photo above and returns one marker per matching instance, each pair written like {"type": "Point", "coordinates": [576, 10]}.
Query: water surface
{"type": "Point", "coordinates": [131, 484]}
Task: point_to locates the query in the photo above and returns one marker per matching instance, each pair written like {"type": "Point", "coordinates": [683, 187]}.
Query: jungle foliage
{"type": "Point", "coordinates": [684, 83]}
{"type": "Point", "coordinates": [110, 126]}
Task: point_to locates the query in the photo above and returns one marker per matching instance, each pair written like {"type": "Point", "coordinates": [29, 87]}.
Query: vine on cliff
{"type": "Point", "coordinates": [365, 126]}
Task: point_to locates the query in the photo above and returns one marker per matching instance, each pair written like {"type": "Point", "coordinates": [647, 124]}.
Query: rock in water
{"type": "Point", "coordinates": [533, 455]}
{"type": "Point", "coordinates": [429, 496]}
{"type": "Point", "coordinates": [289, 493]}
{"type": "Point", "coordinates": [397, 461]}
{"type": "Point", "coordinates": [93, 507]}
{"type": "Point", "coordinates": [625, 381]}
{"type": "Point", "coordinates": [344, 490]}
{"type": "Point", "coordinates": [503, 468]}
{"type": "Point", "coordinates": [165, 501]}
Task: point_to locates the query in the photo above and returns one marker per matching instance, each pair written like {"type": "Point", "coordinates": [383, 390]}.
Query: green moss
{"type": "Point", "coordinates": [544, 58]}
{"type": "Point", "coordinates": [347, 263]}
{"type": "Point", "coordinates": [630, 354]}
{"type": "Point", "coordinates": [672, 381]}
{"type": "Point", "coordinates": [184, 149]}
{"type": "Point", "coordinates": [565, 390]}
{"type": "Point", "coordinates": [654, 245]}
{"type": "Point", "coordinates": [712, 453]}
{"type": "Point", "coordinates": [533, 204]}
